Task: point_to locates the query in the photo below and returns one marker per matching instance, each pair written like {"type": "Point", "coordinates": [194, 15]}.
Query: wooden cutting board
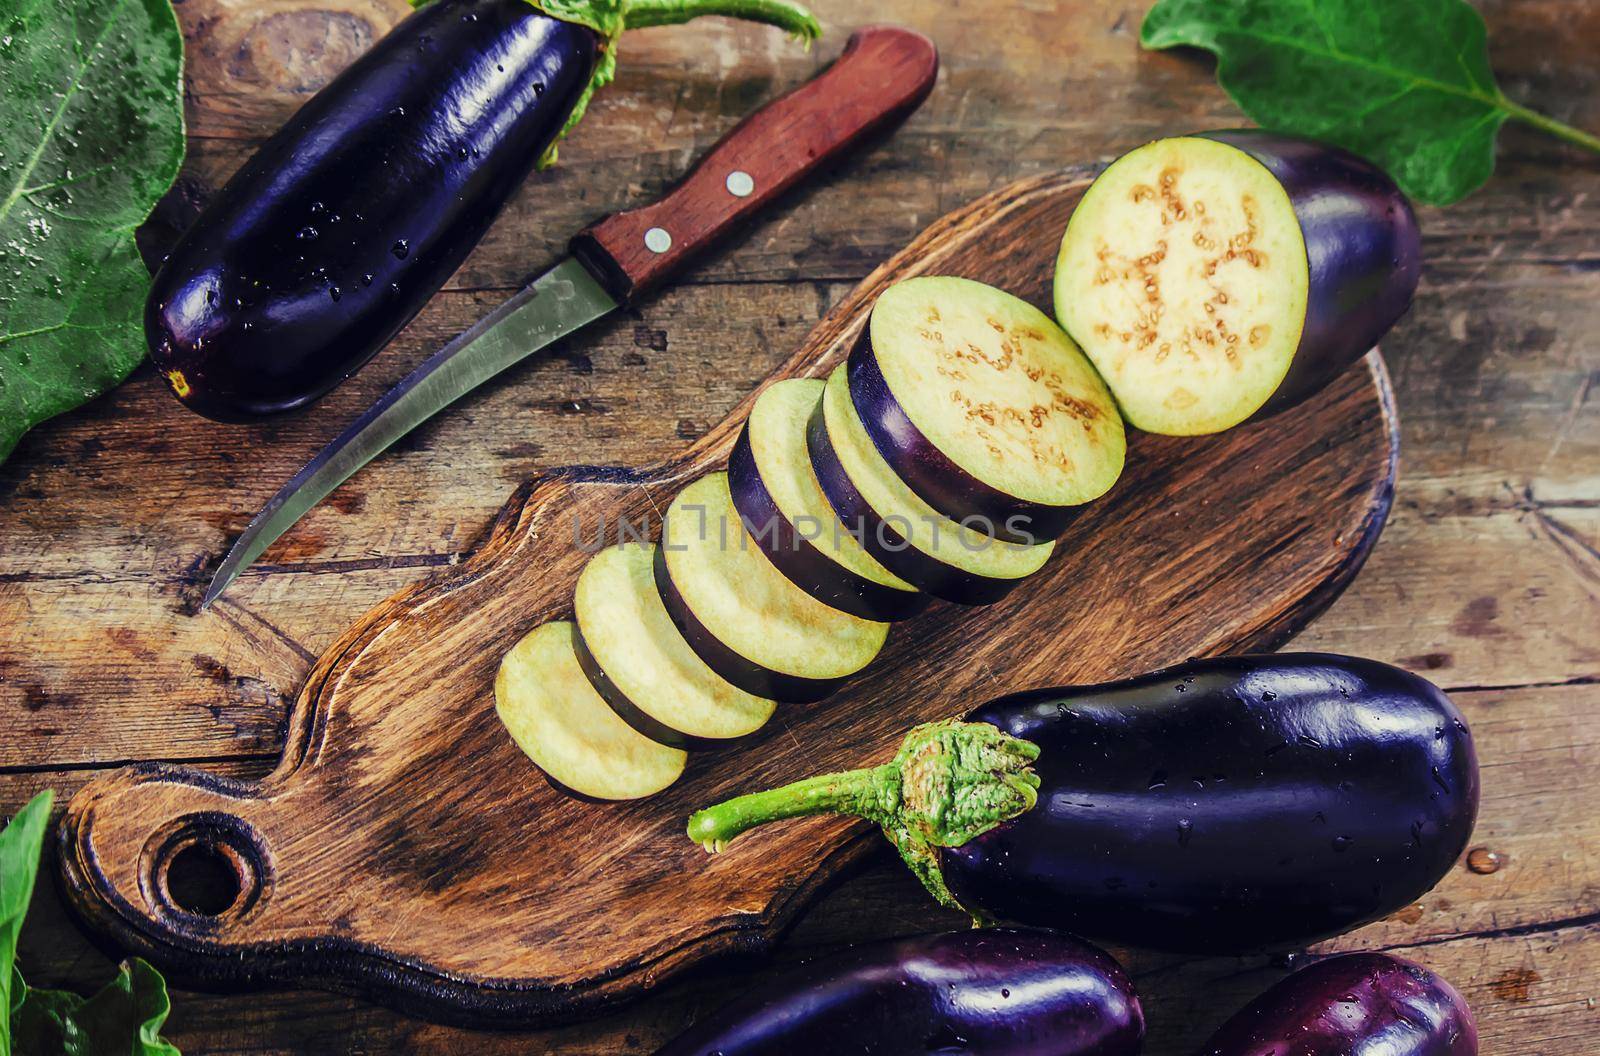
{"type": "Point", "coordinates": [406, 850]}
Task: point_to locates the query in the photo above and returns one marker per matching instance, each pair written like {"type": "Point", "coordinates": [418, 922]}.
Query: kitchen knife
{"type": "Point", "coordinates": [883, 75]}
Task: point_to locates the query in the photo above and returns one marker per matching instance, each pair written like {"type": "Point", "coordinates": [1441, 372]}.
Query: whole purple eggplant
{"type": "Point", "coordinates": [335, 234]}
{"type": "Point", "coordinates": [1358, 1003]}
{"type": "Point", "coordinates": [1222, 804]}
{"type": "Point", "coordinates": [999, 992]}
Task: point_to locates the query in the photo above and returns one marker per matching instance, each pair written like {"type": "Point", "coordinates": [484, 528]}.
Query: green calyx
{"type": "Point", "coordinates": [950, 782]}
{"type": "Point", "coordinates": [609, 18]}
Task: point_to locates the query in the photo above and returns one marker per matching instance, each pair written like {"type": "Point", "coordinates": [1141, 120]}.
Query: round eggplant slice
{"type": "Point", "coordinates": [741, 615]}
{"type": "Point", "coordinates": [985, 407]}
{"type": "Point", "coordinates": [911, 538]}
{"type": "Point", "coordinates": [640, 664]}
{"type": "Point", "coordinates": [560, 722]}
{"type": "Point", "coordinates": [1219, 277]}
{"type": "Point", "coordinates": [782, 505]}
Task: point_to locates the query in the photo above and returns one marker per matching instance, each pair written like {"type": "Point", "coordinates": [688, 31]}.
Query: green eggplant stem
{"type": "Point", "coordinates": [792, 18]}
{"type": "Point", "coordinates": [950, 782]}
{"type": "Point", "coordinates": [859, 793]}
{"type": "Point", "coordinates": [609, 18]}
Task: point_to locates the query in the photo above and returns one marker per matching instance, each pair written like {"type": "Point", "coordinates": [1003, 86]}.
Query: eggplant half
{"type": "Point", "coordinates": [558, 720]}
{"type": "Point", "coordinates": [784, 509]}
{"type": "Point", "coordinates": [1218, 277]}
{"type": "Point", "coordinates": [1357, 1003]}
{"type": "Point", "coordinates": [640, 664]}
{"type": "Point", "coordinates": [984, 407]}
{"type": "Point", "coordinates": [999, 992]}
{"type": "Point", "coordinates": [1220, 805]}
{"type": "Point", "coordinates": [743, 617]}
{"type": "Point", "coordinates": [333, 236]}
{"type": "Point", "coordinates": [896, 525]}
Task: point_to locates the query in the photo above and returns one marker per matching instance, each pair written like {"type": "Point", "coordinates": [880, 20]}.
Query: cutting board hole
{"type": "Point", "coordinates": [206, 869]}
{"type": "Point", "coordinates": [201, 880]}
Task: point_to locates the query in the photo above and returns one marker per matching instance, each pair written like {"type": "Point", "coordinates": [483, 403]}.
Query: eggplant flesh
{"type": "Point", "coordinates": [1000, 992]}
{"type": "Point", "coordinates": [642, 666]}
{"type": "Point", "coordinates": [896, 525]}
{"type": "Point", "coordinates": [984, 407]}
{"type": "Point", "coordinates": [742, 616]}
{"type": "Point", "coordinates": [1357, 1003]}
{"type": "Point", "coordinates": [784, 509]}
{"type": "Point", "coordinates": [544, 699]}
{"type": "Point", "coordinates": [333, 236]}
{"type": "Point", "coordinates": [1227, 804]}
{"type": "Point", "coordinates": [1225, 276]}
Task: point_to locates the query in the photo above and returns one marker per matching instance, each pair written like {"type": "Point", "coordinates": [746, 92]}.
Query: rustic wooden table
{"type": "Point", "coordinates": [1487, 579]}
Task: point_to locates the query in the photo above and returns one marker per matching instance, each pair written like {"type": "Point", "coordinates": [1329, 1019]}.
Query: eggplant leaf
{"type": "Point", "coordinates": [124, 1017]}
{"type": "Point", "coordinates": [91, 136]}
{"type": "Point", "coordinates": [1405, 83]}
{"type": "Point", "coordinates": [20, 846]}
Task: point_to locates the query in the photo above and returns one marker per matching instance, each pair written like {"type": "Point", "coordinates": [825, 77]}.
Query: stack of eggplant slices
{"type": "Point", "coordinates": [1202, 281]}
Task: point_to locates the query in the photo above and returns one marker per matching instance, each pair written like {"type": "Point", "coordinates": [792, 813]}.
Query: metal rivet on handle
{"type": "Point", "coordinates": [741, 184]}
{"type": "Point", "coordinates": [656, 240]}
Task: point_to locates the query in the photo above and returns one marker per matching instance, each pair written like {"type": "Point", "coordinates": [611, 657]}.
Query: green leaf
{"type": "Point", "coordinates": [1405, 83]}
{"type": "Point", "coordinates": [91, 136]}
{"type": "Point", "coordinates": [20, 846]}
{"type": "Point", "coordinates": [124, 1017]}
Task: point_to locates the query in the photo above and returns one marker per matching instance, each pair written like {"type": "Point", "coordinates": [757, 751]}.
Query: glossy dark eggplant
{"type": "Point", "coordinates": [1228, 804]}
{"type": "Point", "coordinates": [1220, 805]}
{"type": "Point", "coordinates": [999, 992]}
{"type": "Point", "coordinates": [1358, 1003]}
{"type": "Point", "coordinates": [335, 234]}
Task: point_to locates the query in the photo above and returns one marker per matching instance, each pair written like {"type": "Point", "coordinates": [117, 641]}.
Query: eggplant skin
{"type": "Point", "coordinates": [1360, 1002]}
{"type": "Point", "coordinates": [335, 234]}
{"type": "Point", "coordinates": [1000, 992]}
{"type": "Point", "coordinates": [1363, 247]}
{"type": "Point", "coordinates": [1227, 804]}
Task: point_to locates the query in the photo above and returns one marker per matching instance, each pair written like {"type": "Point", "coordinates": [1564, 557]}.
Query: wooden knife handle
{"type": "Point", "coordinates": [883, 75]}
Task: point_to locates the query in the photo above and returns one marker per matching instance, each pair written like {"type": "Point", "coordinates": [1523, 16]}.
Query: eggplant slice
{"type": "Point", "coordinates": [896, 525]}
{"type": "Point", "coordinates": [1213, 277]}
{"type": "Point", "coordinates": [985, 407]}
{"type": "Point", "coordinates": [642, 666]}
{"type": "Point", "coordinates": [556, 717]}
{"type": "Point", "coordinates": [783, 507]}
{"type": "Point", "coordinates": [741, 615]}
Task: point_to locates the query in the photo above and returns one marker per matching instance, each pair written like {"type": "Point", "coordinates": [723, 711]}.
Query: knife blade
{"type": "Point", "coordinates": [883, 74]}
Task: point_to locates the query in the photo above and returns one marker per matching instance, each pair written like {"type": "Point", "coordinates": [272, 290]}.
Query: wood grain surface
{"type": "Point", "coordinates": [1487, 578]}
{"type": "Point", "coordinates": [401, 799]}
